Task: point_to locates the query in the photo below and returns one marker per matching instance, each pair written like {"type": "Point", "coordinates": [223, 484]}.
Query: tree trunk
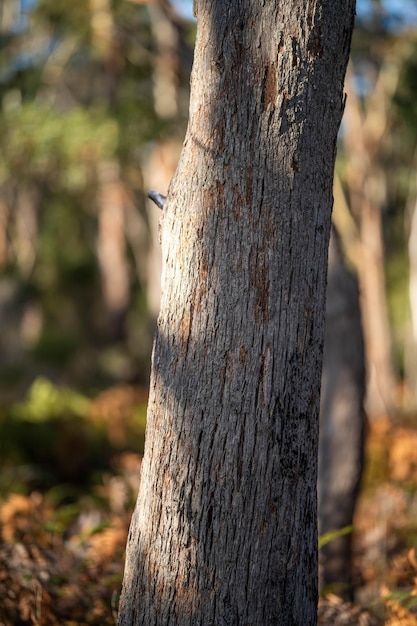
{"type": "Point", "coordinates": [224, 531]}
{"type": "Point", "coordinates": [111, 247]}
{"type": "Point", "coordinates": [411, 344]}
{"type": "Point", "coordinates": [365, 128]}
{"type": "Point", "coordinates": [157, 174]}
{"type": "Point", "coordinates": [26, 228]}
{"type": "Point", "coordinates": [342, 421]}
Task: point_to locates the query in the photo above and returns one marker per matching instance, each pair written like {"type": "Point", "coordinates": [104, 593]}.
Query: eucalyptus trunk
{"type": "Point", "coordinates": [225, 528]}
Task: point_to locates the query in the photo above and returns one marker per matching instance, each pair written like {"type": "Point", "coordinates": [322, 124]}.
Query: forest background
{"type": "Point", "coordinates": [93, 111]}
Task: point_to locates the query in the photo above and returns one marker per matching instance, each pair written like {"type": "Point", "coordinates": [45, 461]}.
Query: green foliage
{"type": "Point", "coordinates": [53, 438]}
{"type": "Point", "coordinates": [41, 143]}
{"type": "Point", "coordinates": [405, 97]}
{"type": "Point", "coordinates": [334, 534]}
{"type": "Point", "coordinates": [406, 598]}
{"type": "Point", "coordinates": [76, 92]}
{"type": "Point", "coordinates": [64, 17]}
{"type": "Point", "coordinates": [397, 276]}
{"type": "Point", "coordinates": [46, 401]}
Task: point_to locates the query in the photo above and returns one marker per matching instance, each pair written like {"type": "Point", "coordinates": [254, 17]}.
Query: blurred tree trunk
{"type": "Point", "coordinates": [4, 227]}
{"type": "Point", "coordinates": [411, 346]}
{"type": "Point", "coordinates": [111, 246]}
{"type": "Point", "coordinates": [172, 62]}
{"type": "Point", "coordinates": [225, 529]}
{"type": "Point", "coordinates": [106, 46]}
{"type": "Point", "coordinates": [171, 70]}
{"type": "Point", "coordinates": [157, 174]}
{"type": "Point", "coordinates": [111, 195]}
{"type": "Point", "coordinates": [365, 129]}
{"type": "Point", "coordinates": [342, 421]}
{"type": "Point", "coordinates": [166, 63]}
{"type": "Point", "coordinates": [25, 227]}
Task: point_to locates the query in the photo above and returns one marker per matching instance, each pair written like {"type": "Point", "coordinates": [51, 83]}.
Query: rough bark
{"type": "Point", "coordinates": [224, 531]}
{"type": "Point", "coordinates": [342, 421]}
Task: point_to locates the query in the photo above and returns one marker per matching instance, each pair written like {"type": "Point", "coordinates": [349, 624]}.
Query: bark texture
{"type": "Point", "coordinates": [342, 421]}
{"type": "Point", "coordinates": [224, 531]}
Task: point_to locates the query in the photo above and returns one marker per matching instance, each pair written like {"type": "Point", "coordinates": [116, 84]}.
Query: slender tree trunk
{"type": "Point", "coordinates": [157, 174]}
{"type": "Point", "coordinates": [363, 139]}
{"type": "Point", "coordinates": [166, 63]}
{"type": "Point", "coordinates": [4, 229]}
{"type": "Point", "coordinates": [381, 380]}
{"type": "Point", "coordinates": [342, 420]}
{"type": "Point", "coordinates": [224, 531]}
{"type": "Point", "coordinates": [111, 246]}
{"type": "Point", "coordinates": [26, 227]}
{"type": "Point", "coordinates": [411, 346]}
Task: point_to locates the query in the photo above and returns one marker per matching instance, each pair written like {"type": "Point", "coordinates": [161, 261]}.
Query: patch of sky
{"type": "Point", "coordinates": [392, 14]}
{"type": "Point", "coordinates": [184, 8]}
{"type": "Point", "coordinates": [395, 14]}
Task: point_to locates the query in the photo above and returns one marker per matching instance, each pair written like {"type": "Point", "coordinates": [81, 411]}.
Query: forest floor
{"type": "Point", "coordinates": [63, 528]}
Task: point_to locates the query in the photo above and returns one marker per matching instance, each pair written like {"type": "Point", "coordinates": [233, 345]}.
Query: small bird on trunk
{"type": "Point", "coordinates": [158, 198]}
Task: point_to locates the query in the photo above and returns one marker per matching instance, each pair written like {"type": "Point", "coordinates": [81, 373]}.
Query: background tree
{"type": "Point", "coordinates": [342, 423]}
{"type": "Point", "coordinates": [375, 167]}
{"type": "Point", "coordinates": [225, 526]}
{"type": "Point", "coordinates": [79, 120]}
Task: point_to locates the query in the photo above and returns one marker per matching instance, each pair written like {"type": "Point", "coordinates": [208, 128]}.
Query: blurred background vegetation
{"type": "Point", "coordinates": [87, 90]}
{"type": "Point", "coordinates": [91, 94]}
{"type": "Point", "coordinates": [94, 104]}
{"type": "Point", "coordinates": [93, 111]}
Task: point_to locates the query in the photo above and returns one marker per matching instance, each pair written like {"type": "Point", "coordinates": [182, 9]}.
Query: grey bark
{"type": "Point", "coordinates": [224, 531]}
{"type": "Point", "coordinates": [342, 421]}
